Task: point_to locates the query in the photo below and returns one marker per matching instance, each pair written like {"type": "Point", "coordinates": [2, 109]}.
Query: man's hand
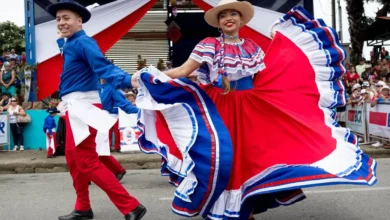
{"type": "Point", "coordinates": [60, 35]}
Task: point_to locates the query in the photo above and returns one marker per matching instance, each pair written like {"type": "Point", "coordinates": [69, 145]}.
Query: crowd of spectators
{"type": "Point", "coordinates": [12, 74]}
{"type": "Point", "coordinates": [11, 77]}
{"type": "Point", "coordinates": [367, 82]}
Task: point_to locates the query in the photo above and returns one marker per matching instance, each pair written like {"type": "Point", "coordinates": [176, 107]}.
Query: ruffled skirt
{"type": "Point", "coordinates": [255, 149]}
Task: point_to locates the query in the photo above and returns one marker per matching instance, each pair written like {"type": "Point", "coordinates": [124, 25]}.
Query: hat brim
{"type": "Point", "coordinates": [79, 9]}
{"type": "Point", "coordinates": [357, 87]}
{"type": "Point", "coordinates": [52, 111]}
{"type": "Point", "coordinates": [245, 8]}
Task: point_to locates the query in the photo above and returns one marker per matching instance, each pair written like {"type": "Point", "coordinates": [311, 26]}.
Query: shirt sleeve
{"type": "Point", "coordinates": [44, 126]}
{"type": "Point", "coordinates": [123, 103]}
{"type": "Point", "coordinates": [204, 51]}
{"type": "Point", "coordinates": [114, 76]}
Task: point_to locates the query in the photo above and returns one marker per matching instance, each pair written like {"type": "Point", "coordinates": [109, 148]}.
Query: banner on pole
{"type": "Point", "coordinates": [129, 132]}
{"type": "Point", "coordinates": [355, 119]}
{"type": "Point", "coordinates": [378, 120]}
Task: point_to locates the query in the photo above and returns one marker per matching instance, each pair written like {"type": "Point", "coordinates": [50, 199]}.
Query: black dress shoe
{"type": "Point", "coordinates": [137, 213]}
{"type": "Point", "coordinates": [120, 175]}
{"type": "Point", "coordinates": [78, 215]}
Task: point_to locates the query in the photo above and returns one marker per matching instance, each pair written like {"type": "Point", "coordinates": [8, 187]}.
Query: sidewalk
{"type": "Point", "coordinates": [36, 161]}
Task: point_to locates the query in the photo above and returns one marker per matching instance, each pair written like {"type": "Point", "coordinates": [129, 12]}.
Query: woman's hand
{"type": "Point", "coordinates": [273, 34]}
{"type": "Point", "coordinates": [134, 81]}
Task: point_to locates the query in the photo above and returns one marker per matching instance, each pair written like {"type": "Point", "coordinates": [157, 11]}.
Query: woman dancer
{"type": "Point", "coordinates": [260, 127]}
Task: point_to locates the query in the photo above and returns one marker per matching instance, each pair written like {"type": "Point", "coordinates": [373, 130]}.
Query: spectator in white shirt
{"type": "Point", "coordinates": [13, 55]}
{"type": "Point", "coordinates": [361, 67]}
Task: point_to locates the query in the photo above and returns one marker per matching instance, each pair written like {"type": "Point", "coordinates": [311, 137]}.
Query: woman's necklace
{"type": "Point", "coordinates": [230, 37]}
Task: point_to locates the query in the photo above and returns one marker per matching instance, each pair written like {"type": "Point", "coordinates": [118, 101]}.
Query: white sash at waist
{"type": "Point", "coordinates": [82, 113]}
{"type": "Point", "coordinates": [52, 130]}
{"type": "Point", "coordinates": [115, 116]}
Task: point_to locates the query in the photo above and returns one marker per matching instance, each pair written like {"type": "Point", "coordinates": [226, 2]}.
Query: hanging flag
{"type": "Point", "coordinates": [110, 21]}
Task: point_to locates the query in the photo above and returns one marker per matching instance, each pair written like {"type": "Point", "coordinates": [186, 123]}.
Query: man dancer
{"type": "Point", "coordinates": [84, 64]}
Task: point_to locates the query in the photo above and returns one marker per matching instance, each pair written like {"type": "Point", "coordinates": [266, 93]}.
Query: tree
{"type": "Point", "coordinates": [11, 36]}
{"type": "Point", "coordinates": [359, 23]}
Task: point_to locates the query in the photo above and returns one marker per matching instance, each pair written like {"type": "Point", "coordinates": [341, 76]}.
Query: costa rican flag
{"type": "Point", "coordinates": [110, 21]}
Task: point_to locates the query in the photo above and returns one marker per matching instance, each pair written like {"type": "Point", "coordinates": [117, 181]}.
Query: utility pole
{"type": "Point", "coordinates": [340, 21]}
{"type": "Point", "coordinates": [334, 14]}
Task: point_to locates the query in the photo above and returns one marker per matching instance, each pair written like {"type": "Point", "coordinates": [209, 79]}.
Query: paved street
{"type": "Point", "coordinates": [45, 196]}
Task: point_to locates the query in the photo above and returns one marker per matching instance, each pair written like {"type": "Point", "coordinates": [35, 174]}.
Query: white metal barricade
{"type": "Point", "coordinates": [5, 130]}
{"type": "Point", "coordinates": [378, 121]}
{"type": "Point", "coordinates": [356, 120]}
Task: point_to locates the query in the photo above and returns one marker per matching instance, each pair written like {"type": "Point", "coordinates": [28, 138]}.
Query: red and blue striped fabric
{"type": "Point", "coordinates": [206, 152]}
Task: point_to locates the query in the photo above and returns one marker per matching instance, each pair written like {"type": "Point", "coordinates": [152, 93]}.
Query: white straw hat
{"type": "Point", "coordinates": [385, 87]}
{"type": "Point", "coordinates": [381, 83]}
{"type": "Point", "coordinates": [245, 8]}
{"type": "Point", "coordinates": [365, 83]}
{"type": "Point", "coordinates": [356, 86]}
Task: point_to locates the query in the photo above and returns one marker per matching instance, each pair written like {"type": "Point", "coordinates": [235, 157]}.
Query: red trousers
{"type": "Point", "coordinates": [112, 164]}
{"type": "Point", "coordinates": [51, 141]}
{"type": "Point", "coordinates": [115, 129]}
{"type": "Point", "coordinates": [84, 166]}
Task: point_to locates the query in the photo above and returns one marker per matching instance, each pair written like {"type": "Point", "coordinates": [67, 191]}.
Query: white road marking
{"type": "Point", "coordinates": [320, 191]}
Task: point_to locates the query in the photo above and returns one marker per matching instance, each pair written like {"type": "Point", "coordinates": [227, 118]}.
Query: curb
{"type": "Point", "coordinates": [36, 162]}
{"type": "Point", "coordinates": [377, 153]}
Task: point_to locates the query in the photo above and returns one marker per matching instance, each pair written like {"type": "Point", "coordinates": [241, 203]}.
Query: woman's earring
{"type": "Point", "coordinates": [219, 30]}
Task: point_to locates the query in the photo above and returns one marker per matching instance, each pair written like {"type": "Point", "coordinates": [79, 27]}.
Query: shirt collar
{"type": "Point", "coordinates": [77, 34]}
